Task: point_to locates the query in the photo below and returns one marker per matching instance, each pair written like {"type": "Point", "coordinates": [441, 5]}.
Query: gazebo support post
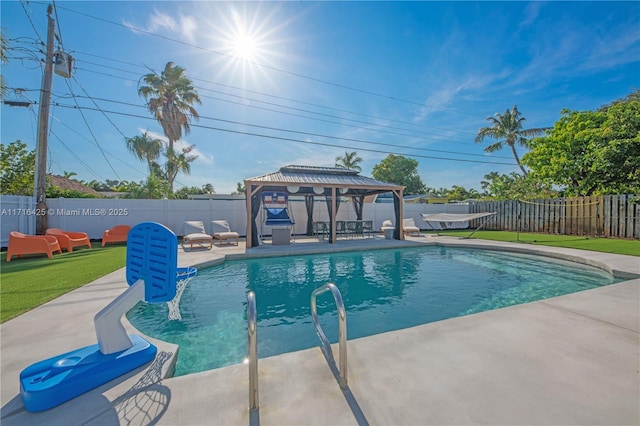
{"type": "Point", "coordinates": [333, 215]}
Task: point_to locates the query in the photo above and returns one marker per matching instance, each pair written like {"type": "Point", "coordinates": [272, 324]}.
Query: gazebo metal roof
{"type": "Point", "coordinates": [305, 178]}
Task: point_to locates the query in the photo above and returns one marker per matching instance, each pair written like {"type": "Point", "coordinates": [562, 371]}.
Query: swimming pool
{"type": "Point", "coordinates": [383, 290]}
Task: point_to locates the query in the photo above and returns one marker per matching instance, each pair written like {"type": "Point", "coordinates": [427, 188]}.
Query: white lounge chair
{"type": "Point", "coordinates": [410, 227]}
{"type": "Point", "coordinates": [222, 232]}
{"type": "Point", "coordinates": [194, 233]}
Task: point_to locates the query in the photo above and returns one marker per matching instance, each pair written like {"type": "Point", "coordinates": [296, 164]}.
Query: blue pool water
{"type": "Point", "coordinates": [383, 290]}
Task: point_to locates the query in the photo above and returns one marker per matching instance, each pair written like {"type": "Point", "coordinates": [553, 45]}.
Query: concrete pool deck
{"type": "Point", "coordinates": [572, 359]}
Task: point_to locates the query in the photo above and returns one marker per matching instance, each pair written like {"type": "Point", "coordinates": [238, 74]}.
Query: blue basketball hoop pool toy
{"type": "Point", "coordinates": [152, 275]}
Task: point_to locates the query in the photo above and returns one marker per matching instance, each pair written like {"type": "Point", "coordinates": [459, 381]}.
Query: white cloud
{"type": "Point", "coordinates": [531, 13]}
{"type": "Point", "coordinates": [159, 21]}
{"type": "Point", "coordinates": [186, 26]}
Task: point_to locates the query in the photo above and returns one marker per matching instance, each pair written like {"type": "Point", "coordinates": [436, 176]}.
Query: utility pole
{"type": "Point", "coordinates": [43, 130]}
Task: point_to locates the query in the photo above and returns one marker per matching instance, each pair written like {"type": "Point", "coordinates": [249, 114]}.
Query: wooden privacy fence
{"type": "Point", "coordinates": [615, 216]}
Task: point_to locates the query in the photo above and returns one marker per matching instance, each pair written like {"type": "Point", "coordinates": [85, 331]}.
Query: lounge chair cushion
{"type": "Point", "coordinates": [194, 233]}
{"type": "Point", "coordinates": [410, 227]}
{"type": "Point", "coordinates": [222, 232]}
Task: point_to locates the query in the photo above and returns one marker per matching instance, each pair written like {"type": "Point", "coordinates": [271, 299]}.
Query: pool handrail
{"type": "Point", "coordinates": [252, 333]}
{"type": "Point", "coordinates": [342, 329]}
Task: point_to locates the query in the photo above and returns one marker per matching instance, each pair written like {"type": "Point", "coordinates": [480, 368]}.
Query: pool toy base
{"type": "Point", "coordinates": [51, 382]}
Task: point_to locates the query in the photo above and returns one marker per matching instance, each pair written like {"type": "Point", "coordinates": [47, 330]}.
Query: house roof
{"type": "Point", "coordinates": [305, 178]}
{"type": "Point", "coordinates": [71, 185]}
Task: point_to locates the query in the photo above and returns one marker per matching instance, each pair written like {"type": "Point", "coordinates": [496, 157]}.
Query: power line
{"type": "Point", "coordinates": [318, 80]}
{"type": "Point", "coordinates": [78, 159]}
{"type": "Point", "coordinates": [272, 96]}
{"type": "Point", "coordinates": [59, 33]}
{"type": "Point", "coordinates": [94, 102]}
{"type": "Point", "coordinates": [293, 108]}
{"type": "Point", "coordinates": [292, 139]}
{"type": "Point", "coordinates": [309, 133]}
{"type": "Point", "coordinates": [94, 136]}
{"type": "Point", "coordinates": [31, 22]}
{"type": "Point", "coordinates": [281, 112]}
{"type": "Point", "coordinates": [300, 116]}
{"type": "Point", "coordinates": [89, 140]}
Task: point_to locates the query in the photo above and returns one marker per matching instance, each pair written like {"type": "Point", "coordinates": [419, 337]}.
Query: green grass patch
{"type": "Point", "coordinates": [606, 245]}
{"type": "Point", "coordinates": [28, 282]}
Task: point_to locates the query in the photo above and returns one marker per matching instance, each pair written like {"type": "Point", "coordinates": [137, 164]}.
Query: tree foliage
{"type": "Point", "coordinates": [178, 163]}
{"type": "Point", "coordinates": [514, 186]}
{"type": "Point", "coordinates": [53, 191]}
{"type": "Point", "coordinates": [146, 148]}
{"type": "Point", "coordinates": [350, 161]}
{"type": "Point", "coordinates": [17, 169]}
{"type": "Point", "coordinates": [184, 192]}
{"type": "Point", "coordinates": [240, 189]}
{"type": "Point", "coordinates": [591, 152]}
{"type": "Point", "coordinates": [456, 193]}
{"type": "Point", "coordinates": [154, 187]}
{"type": "Point", "coordinates": [401, 171]}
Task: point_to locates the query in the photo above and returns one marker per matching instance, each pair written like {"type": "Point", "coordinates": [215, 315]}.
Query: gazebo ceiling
{"type": "Point", "coordinates": [303, 179]}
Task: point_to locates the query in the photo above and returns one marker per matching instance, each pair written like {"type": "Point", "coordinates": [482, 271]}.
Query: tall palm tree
{"type": "Point", "coordinates": [508, 128]}
{"type": "Point", "coordinates": [170, 98]}
{"type": "Point", "coordinates": [144, 147]}
{"type": "Point", "coordinates": [350, 161]}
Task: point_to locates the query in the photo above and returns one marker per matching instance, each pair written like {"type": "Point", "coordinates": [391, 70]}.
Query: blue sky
{"type": "Point", "coordinates": [410, 78]}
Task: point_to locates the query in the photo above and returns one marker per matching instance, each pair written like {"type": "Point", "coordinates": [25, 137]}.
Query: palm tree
{"type": "Point", "coordinates": [508, 127]}
{"type": "Point", "coordinates": [349, 161]}
{"type": "Point", "coordinates": [170, 98]}
{"type": "Point", "coordinates": [240, 189]}
{"type": "Point", "coordinates": [144, 147]}
{"type": "Point", "coordinates": [153, 188]}
{"type": "Point", "coordinates": [179, 163]}
{"type": "Point", "coordinates": [207, 188]}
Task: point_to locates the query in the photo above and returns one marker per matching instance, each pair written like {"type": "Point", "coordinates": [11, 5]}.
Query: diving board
{"type": "Point", "coordinates": [442, 218]}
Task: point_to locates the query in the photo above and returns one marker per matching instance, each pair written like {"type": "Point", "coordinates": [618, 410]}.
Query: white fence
{"type": "Point", "coordinates": [93, 216]}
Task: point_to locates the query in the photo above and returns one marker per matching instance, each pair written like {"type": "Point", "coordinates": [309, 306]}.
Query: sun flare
{"type": "Point", "coordinates": [245, 47]}
{"type": "Point", "coordinates": [249, 40]}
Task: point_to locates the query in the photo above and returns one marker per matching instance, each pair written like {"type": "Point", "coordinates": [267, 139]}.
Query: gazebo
{"type": "Point", "coordinates": [310, 181]}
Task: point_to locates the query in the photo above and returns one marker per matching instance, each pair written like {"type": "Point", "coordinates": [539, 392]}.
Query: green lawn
{"type": "Point", "coordinates": [31, 281]}
{"type": "Point", "coordinates": [606, 245]}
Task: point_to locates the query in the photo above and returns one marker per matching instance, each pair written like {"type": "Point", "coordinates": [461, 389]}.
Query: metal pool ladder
{"type": "Point", "coordinates": [342, 329]}
{"type": "Point", "coordinates": [253, 350]}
